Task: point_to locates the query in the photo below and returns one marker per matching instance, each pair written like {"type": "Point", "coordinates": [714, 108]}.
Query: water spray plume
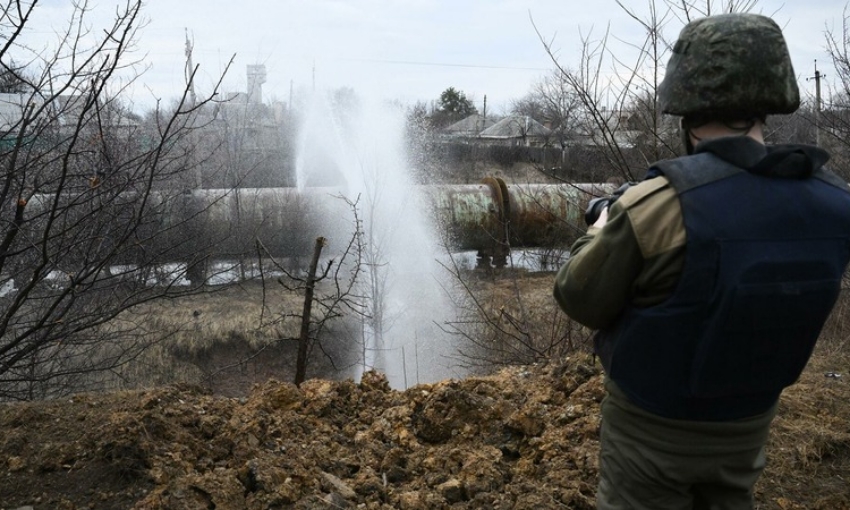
{"type": "Point", "coordinates": [359, 148]}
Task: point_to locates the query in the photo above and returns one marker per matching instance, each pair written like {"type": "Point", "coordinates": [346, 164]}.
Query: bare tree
{"type": "Point", "coordinates": [96, 218]}
{"type": "Point", "coordinates": [832, 120]}
{"type": "Point", "coordinates": [322, 307]}
{"type": "Point", "coordinates": [499, 325]}
{"type": "Point", "coordinates": [617, 85]}
{"type": "Point", "coordinates": [553, 102]}
{"type": "Point", "coordinates": [688, 10]}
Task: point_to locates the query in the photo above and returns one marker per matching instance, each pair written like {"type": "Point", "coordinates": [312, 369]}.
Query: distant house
{"type": "Point", "coordinates": [517, 130]}
{"type": "Point", "coordinates": [469, 127]}
{"type": "Point", "coordinates": [617, 130]}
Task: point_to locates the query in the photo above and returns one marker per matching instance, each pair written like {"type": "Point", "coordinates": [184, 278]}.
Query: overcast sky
{"type": "Point", "coordinates": [405, 50]}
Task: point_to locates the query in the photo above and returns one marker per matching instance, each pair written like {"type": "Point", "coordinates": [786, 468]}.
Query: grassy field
{"type": "Point", "coordinates": [248, 331]}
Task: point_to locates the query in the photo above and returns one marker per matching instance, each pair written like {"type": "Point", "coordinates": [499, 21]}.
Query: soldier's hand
{"type": "Point", "coordinates": [602, 220]}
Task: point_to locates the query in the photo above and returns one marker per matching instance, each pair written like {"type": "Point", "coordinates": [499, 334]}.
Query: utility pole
{"type": "Point", "coordinates": [196, 272]}
{"type": "Point", "coordinates": [190, 70]}
{"type": "Point", "coordinates": [190, 83]}
{"type": "Point", "coordinates": [817, 77]}
{"type": "Point", "coordinates": [483, 119]}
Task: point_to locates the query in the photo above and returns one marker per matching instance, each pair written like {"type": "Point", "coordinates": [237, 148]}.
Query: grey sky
{"type": "Point", "coordinates": [406, 50]}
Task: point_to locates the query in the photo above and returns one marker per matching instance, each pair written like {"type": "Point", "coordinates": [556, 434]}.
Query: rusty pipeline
{"type": "Point", "coordinates": [494, 216]}
{"type": "Point", "coordinates": [490, 217]}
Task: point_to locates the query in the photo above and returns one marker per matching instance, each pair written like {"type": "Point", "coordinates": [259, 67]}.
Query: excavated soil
{"type": "Point", "coordinates": [524, 438]}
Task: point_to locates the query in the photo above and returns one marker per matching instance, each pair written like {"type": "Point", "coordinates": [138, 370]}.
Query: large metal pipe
{"type": "Point", "coordinates": [471, 216]}
{"type": "Point", "coordinates": [490, 217]}
{"type": "Point", "coordinates": [493, 215]}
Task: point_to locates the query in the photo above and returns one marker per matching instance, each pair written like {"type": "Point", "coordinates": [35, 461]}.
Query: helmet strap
{"type": "Point", "coordinates": [685, 131]}
{"type": "Point", "coordinates": [686, 141]}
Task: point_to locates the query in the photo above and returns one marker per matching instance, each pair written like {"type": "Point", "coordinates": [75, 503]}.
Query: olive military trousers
{"type": "Point", "coordinates": [648, 462]}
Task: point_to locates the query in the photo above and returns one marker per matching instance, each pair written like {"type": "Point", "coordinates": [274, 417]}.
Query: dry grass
{"type": "Point", "coordinates": [244, 318]}
{"type": "Point", "coordinates": [835, 337]}
{"type": "Point", "coordinates": [809, 446]}
{"type": "Point", "coordinates": [245, 312]}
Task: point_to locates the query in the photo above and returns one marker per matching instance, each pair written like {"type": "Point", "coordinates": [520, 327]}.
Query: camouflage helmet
{"type": "Point", "coordinates": [730, 66]}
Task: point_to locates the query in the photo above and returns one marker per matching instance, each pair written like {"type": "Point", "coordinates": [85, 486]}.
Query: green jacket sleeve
{"type": "Point", "coordinates": [595, 284]}
{"type": "Point", "coordinates": [634, 260]}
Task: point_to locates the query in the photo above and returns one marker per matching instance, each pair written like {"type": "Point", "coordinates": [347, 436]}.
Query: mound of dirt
{"type": "Point", "coordinates": [524, 438]}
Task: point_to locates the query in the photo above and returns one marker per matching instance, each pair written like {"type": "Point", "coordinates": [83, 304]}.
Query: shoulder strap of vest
{"type": "Point", "coordinates": [829, 177]}
{"type": "Point", "coordinates": [690, 172]}
{"type": "Point", "coordinates": [693, 171]}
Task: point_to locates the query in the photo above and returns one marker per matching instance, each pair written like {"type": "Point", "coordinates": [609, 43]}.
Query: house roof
{"type": "Point", "coordinates": [469, 126]}
{"type": "Point", "coordinates": [516, 126]}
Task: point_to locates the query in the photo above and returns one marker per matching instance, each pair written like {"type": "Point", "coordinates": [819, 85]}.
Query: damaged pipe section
{"type": "Point", "coordinates": [493, 216]}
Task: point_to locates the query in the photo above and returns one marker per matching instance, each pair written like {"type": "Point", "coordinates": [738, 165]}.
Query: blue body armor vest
{"type": "Point", "coordinates": [763, 267]}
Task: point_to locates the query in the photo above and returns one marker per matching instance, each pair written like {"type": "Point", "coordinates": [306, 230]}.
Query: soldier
{"type": "Point", "coordinates": [709, 281]}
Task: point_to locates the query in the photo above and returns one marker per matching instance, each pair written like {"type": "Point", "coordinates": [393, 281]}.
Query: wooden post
{"type": "Point", "coordinates": [304, 337]}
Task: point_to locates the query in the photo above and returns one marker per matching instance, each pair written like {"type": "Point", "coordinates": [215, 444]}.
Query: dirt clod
{"type": "Point", "coordinates": [524, 438]}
